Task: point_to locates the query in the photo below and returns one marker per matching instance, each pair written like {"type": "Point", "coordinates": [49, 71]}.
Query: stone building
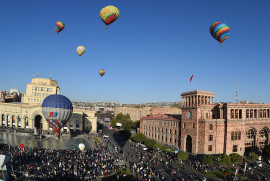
{"type": "Point", "coordinates": [137, 113]}
{"type": "Point", "coordinates": [28, 114]}
{"type": "Point", "coordinates": [163, 128]}
{"type": "Point", "coordinates": [209, 128]}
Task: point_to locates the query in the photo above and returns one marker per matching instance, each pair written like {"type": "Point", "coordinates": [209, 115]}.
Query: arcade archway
{"type": "Point", "coordinates": [189, 144]}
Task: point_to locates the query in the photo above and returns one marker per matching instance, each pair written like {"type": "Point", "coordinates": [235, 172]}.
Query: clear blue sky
{"type": "Point", "coordinates": [149, 53]}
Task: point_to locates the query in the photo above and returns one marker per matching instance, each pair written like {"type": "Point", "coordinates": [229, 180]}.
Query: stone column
{"type": "Point", "coordinates": [196, 100]}
{"type": "Point", "coordinates": [258, 110]}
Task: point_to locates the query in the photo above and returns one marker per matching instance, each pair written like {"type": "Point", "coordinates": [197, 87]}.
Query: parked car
{"type": "Point", "coordinates": [114, 130]}
{"type": "Point", "coordinates": [258, 163]}
{"type": "Point", "coordinates": [106, 136]}
{"type": "Point", "coordinates": [100, 131]}
{"type": "Point", "coordinates": [254, 165]}
{"type": "Point", "coordinates": [249, 167]}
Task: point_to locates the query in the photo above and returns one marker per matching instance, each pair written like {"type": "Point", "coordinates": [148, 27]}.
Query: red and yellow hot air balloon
{"type": "Point", "coordinates": [101, 72]}
{"type": "Point", "coordinates": [59, 26]}
{"type": "Point", "coordinates": [109, 14]}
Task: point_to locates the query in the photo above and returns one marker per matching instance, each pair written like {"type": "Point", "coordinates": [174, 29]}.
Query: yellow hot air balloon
{"type": "Point", "coordinates": [101, 72]}
{"type": "Point", "coordinates": [80, 50]}
{"type": "Point", "coordinates": [109, 14]}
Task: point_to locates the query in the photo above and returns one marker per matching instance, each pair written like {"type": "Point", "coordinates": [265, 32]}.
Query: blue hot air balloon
{"type": "Point", "coordinates": [57, 110]}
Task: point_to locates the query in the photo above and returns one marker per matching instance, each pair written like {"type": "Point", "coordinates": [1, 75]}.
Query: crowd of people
{"type": "Point", "coordinates": [49, 164]}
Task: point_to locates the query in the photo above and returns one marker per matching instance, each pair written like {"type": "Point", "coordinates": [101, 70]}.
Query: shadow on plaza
{"type": "Point", "coordinates": [121, 138]}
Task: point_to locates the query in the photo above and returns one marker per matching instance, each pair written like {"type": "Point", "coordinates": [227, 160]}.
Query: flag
{"type": "Point", "coordinates": [191, 78]}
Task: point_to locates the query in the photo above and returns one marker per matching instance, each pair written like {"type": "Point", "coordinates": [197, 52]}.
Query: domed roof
{"type": "Point", "coordinates": [57, 101]}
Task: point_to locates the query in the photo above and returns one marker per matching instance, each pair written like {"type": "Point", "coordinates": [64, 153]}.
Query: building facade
{"type": "Point", "coordinates": [28, 115]}
{"type": "Point", "coordinates": [39, 89]}
{"type": "Point", "coordinates": [138, 113]}
{"type": "Point", "coordinates": [208, 128]}
{"type": "Point", "coordinates": [163, 128]}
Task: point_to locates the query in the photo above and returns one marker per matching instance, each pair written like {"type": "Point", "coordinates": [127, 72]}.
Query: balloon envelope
{"type": "Point", "coordinates": [81, 146]}
{"type": "Point", "coordinates": [102, 72]}
{"type": "Point", "coordinates": [80, 50]}
{"type": "Point", "coordinates": [59, 26]}
{"type": "Point", "coordinates": [57, 110]}
{"type": "Point", "coordinates": [109, 14]}
{"type": "Point", "coordinates": [219, 31]}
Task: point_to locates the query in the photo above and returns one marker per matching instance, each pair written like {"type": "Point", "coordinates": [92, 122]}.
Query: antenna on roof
{"type": "Point", "coordinates": [237, 101]}
{"type": "Point", "coordinates": [50, 76]}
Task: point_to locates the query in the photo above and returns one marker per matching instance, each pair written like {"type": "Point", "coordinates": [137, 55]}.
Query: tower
{"type": "Point", "coordinates": [196, 105]}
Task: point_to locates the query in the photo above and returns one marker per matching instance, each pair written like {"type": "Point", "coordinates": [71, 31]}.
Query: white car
{"type": "Point", "coordinates": [144, 148]}
{"type": "Point", "coordinates": [106, 136]}
{"type": "Point", "coordinates": [258, 164]}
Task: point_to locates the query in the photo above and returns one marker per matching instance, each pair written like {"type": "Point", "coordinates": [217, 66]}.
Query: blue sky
{"type": "Point", "coordinates": [149, 53]}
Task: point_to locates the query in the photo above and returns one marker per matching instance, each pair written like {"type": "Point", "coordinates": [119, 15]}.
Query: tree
{"type": "Point", "coordinates": [253, 156]}
{"type": "Point", "coordinates": [236, 158]}
{"type": "Point", "coordinates": [208, 159]}
{"type": "Point", "coordinates": [127, 125]}
{"type": "Point", "coordinates": [136, 124]}
{"type": "Point", "coordinates": [182, 155]}
{"type": "Point", "coordinates": [223, 159]}
{"type": "Point", "coordinates": [139, 138]}
{"type": "Point", "coordinates": [149, 143]}
{"type": "Point", "coordinates": [113, 123]}
{"type": "Point", "coordinates": [266, 152]}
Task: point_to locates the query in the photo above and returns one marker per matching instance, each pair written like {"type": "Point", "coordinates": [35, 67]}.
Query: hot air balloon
{"type": "Point", "coordinates": [59, 26]}
{"type": "Point", "coordinates": [80, 50]}
{"type": "Point", "coordinates": [22, 146]}
{"type": "Point", "coordinates": [219, 31]}
{"type": "Point", "coordinates": [81, 146]}
{"type": "Point", "coordinates": [57, 110]}
{"type": "Point", "coordinates": [101, 72]}
{"type": "Point", "coordinates": [109, 14]}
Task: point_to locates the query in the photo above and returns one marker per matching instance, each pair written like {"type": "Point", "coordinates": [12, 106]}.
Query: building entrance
{"type": "Point", "coordinates": [38, 122]}
{"type": "Point", "coordinates": [189, 144]}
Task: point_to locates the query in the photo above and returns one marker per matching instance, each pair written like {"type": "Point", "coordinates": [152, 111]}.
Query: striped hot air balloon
{"type": "Point", "coordinates": [57, 110]}
{"type": "Point", "coordinates": [109, 14]}
{"type": "Point", "coordinates": [59, 26]}
{"type": "Point", "coordinates": [219, 31]}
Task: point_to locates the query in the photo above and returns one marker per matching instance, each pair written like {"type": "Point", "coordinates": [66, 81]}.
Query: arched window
{"type": "Point", "coordinates": [3, 120]}
{"type": "Point", "coordinates": [26, 122]}
{"type": "Point", "coordinates": [19, 122]}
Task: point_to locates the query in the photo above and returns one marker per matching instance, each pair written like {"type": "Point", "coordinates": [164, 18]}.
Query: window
{"type": "Point", "coordinates": [193, 125]}
{"type": "Point", "coordinates": [47, 89]}
{"type": "Point", "coordinates": [239, 135]}
{"type": "Point", "coordinates": [41, 88]}
{"type": "Point", "coordinates": [247, 113]}
{"type": "Point", "coordinates": [236, 135]}
{"type": "Point", "coordinates": [211, 126]}
{"type": "Point", "coordinates": [209, 147]}
{"type": "Point", "coordinates": [28, 99]}
{"type": "Point", "coordinates": [235, 147]}
{"type": "Point", "coordinates": [184, 125]}
{"type": "Point", "coordinates": [38, 88]}
{"type": "Point", "coordinates": [210, 137]}
{"type": "Point", "coordinates": [35, 88]}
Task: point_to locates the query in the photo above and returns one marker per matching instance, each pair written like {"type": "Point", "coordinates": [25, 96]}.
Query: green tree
{"type": "Point", "coordinates": [127, 125]}
{"type": "Point", "coordinates": [236, 158]}
{"type": "Point", "coordinates": [119, 116]}
{"type": "Point", "coordinates": [139, 138]}
{"type": "Point", "coordinates": [149, 143]}
{"type": "Point", "coordinates": [113, 123]}
{"type": "Point", "coordinates": [182, 155]}
{"type": "Point", "coordinates": [136, 124]}
{"type": "Point", "coordinates": [223, 159]}
{"type": "Point", "coordinates": [253, 156]}
{"type": "Point", "coordinates": [208, 159]}
{"type": "Point", "coordinates": [266, 152]}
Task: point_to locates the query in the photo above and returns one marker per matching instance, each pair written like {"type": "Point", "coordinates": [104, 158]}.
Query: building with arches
{"type": "Point", "coordinates": [210, 128]}
{"type": "Point", "coordinates": [206, 127]}
{"type": "Point", "coordinates": [28, 113]}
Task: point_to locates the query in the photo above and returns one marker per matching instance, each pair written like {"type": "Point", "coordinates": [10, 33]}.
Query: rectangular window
{"type": "Point", "coordinates": [239, 135]}
{"type": "Point", "coordinates": [184, 125]}
{"type": "Point", "coordinates": [235, 147]}
{"type": "Point", "coordinates": [210, 137]}
{"type": "Point", "coordinates": [232, 135]}
{"type": "Point", "coordinates": [209, 147]}
{"type": "Point", "coordinates": [41, 88]}
{"type": "Point", "coordinates": [193, 125]}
